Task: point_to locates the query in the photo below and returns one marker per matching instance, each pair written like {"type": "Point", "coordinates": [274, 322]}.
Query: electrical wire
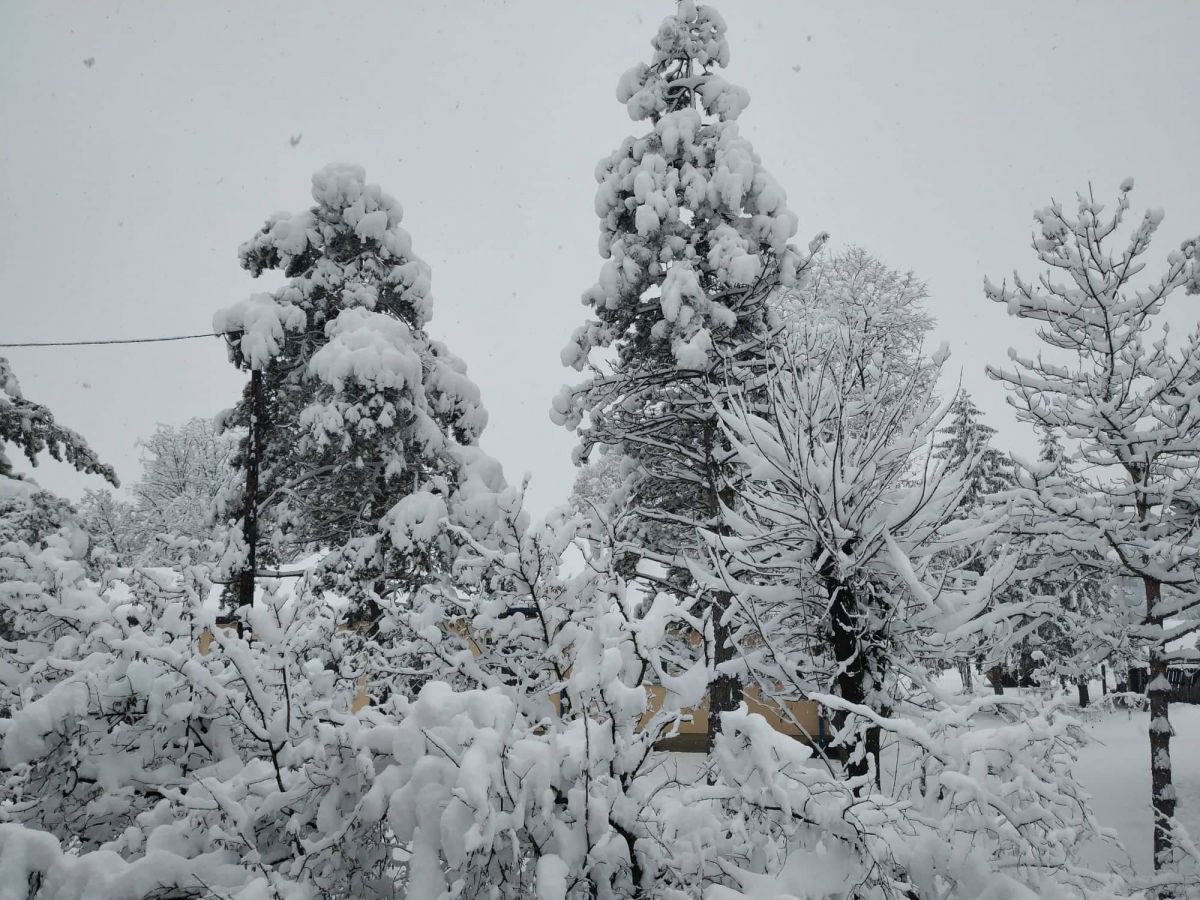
{"type": "Point", "coordinates": [149, 340]}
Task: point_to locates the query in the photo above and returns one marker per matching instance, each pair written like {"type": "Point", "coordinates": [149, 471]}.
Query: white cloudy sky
{"type": "Point", "coordinates": [926, 132]}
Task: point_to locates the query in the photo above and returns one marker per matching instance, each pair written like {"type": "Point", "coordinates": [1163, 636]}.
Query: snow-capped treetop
{"type": "Point", "coordinates": [346, 251]}
{"type": "Point", "coordinates": [366, 413]}
{"type": "Point", "coordinates": [350, 219]}
{"type": "Point", "coordinates": [694, 231]}
{"type": "Point", "coordinates": [877, 312]}
{"type": "Point", "coordinates": [1086, 297]}
{"type": "Point", "coordinates": [31, 427]}
{"type": "Point", "coordinates": [687, 47]}
{"type": "Point", "coordinates": [1089, 307]}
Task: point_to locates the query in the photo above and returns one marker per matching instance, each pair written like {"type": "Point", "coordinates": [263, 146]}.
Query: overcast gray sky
{"type": "Point", "coordinates": [925, 132]}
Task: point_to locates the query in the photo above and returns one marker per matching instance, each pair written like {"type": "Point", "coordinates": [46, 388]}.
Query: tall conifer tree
{"type": "Point", "coordinates": [694, 233]}
{"type": "Point", "coordinates": [362, 427]}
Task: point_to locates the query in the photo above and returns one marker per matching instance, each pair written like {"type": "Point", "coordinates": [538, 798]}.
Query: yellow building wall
{"type": "Point", "coordinates": [801, 720]}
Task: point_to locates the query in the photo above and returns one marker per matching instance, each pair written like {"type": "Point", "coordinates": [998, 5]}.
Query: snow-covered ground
{"type": "Point", "coordinates": [1115, 769]}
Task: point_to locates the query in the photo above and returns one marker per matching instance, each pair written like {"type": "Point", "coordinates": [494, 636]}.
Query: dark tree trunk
{"type": "Point", "coordinates": [995, 677]}
{"type": "Point", "coordinates": [1103, 680]}
{"type": "Point", "coordinates": [849, 650]}
{"type": "Point", "coordinates": [250, 499]}
{"type": "Point", "coordinates": [725, 692]}
{"type": "Point", "coordinates": [1084, 697]}
{"type": "Point", "coordinates": [1158, 690]}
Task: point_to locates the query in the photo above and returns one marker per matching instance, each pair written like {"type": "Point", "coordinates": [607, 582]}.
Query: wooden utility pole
{"type": "Point", "coordinates": [250, 500]}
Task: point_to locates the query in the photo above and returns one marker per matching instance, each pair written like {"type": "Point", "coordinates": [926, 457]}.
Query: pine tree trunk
{"type": "Point", "coordinates": [1103, 680]}
{"type": "Point", "coordinates": [1158, 690]}
{"type": "Point", "coordinates": [995, 677]}
{"type": "Point", "coordinates": [250, 500]}
{"type": "Point", "coordinates": [1084, 696]}
{"type": "Point", "coordinates": [725, 692]}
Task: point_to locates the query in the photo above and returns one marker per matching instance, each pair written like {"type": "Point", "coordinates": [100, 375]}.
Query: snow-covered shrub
{"type": "Point", "coordinates": [554, 719]}
{"type": "Point", "coordinates": [979, 802]}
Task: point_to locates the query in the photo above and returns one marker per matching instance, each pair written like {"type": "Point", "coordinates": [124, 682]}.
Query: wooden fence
{"type": "Point", "coordinates": [1185, 682]}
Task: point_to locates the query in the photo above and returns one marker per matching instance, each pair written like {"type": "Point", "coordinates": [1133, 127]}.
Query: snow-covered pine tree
{"type": "Point", "coordinates": [32, 429]}
{"type": "Point", "coordinates": [1126, 399]}
{"type": "Point", "coordinates": [42, 547]}
{"type": "Point", "coordinates": [966, 436]}
{"type": "Point", "coordinates": [364, 428]}
{"type": "Point", "coordinates": [694, 233]}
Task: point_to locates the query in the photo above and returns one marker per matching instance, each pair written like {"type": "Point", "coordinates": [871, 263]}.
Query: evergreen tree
{"type": "Point", "coordinates": [1050, 448]}
{"type": "Point", "coordinates": [1075, 629]}
{"type": "Point", "coordinates": [694, 233]}
{"type": "Point", "coordinates": [360, 428]}
{"type": "Point", "coordinates": [967, 437]}
{"type": "Point", "coordinates": [42, 546]}
{"type": "Point", "coordinates": [32, 429]}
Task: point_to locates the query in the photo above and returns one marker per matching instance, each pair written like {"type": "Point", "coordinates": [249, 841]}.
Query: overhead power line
{"type": "Point", "coordinates": [149, 340]}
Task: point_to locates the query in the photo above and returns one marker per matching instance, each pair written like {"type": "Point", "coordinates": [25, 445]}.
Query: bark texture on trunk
{"type": "Point", "coordinates": [725, 692]}
{"type": "Point", "coordinates": [1158, 690]}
